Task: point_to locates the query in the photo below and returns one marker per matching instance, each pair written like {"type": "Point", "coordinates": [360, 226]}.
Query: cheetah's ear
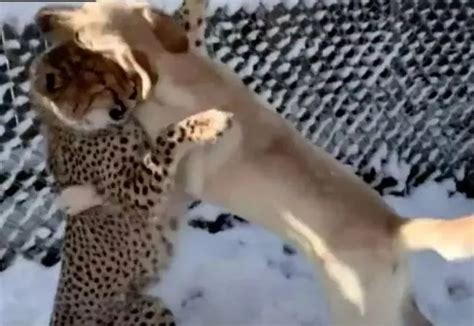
{"type": "Point", "coordinates": [169, 33]}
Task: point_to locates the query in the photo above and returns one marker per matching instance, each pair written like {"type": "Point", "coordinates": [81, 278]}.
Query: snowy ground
{"type": "Point", "coordinates": [243, 276]}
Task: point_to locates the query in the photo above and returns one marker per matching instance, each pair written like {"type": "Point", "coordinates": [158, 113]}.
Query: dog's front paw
{"type": "Point", "coordinates": [76, 199]}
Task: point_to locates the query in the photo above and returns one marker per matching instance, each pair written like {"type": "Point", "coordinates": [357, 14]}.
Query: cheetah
{"type": "Point", "coordinates": [115, 248]}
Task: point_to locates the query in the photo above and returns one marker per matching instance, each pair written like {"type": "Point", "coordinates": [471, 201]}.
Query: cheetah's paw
{"type": "Point", "coordinates": [210, 125]}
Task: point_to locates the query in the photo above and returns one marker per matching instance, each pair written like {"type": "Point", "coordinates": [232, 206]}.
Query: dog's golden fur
{"type": "Point", "coordinates": [265, 171]}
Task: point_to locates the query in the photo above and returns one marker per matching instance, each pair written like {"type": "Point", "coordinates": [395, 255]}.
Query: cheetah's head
{"type": "Point", "coordinates": [82, 89]}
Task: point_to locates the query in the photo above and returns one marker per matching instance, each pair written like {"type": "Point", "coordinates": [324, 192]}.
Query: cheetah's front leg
{"type": "Point", "coordinates": [192, 16]}
{"type": "Point", "coordinates": [149, 183]}
{"type": "Point", "coordinates": [178, 139]}
{"type": "Point", "coordinates": [144, 310]}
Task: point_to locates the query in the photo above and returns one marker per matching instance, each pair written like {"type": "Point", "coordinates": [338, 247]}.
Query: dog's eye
{"type": "Point", "coordinates": [133, 96]}
{"type": "Point", "coordinates": [77, 38]}
{"type": "Point", "coordinates": [50, 82]}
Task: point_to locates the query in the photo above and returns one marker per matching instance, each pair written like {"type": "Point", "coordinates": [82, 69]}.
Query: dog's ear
{"type": "Point", "coordinates": [145, 71]}
{"type": "Point", "coordinates": [169, 33]}
{"type": "Point", "coordinates": [55, 22]}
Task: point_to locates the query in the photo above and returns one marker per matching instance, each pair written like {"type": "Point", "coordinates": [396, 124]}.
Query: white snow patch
{"type": "Point", "coordinates": [27, 293]}
{"type": "Point", "coordinates": [433, 199]}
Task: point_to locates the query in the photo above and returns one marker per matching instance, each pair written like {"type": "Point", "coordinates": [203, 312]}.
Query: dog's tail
{"type": "Point", "coordinates": [453, 239]}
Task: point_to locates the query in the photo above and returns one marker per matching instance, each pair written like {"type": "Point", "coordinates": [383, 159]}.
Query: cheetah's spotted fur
{"type": "Point", "coordinates": [114, 249]}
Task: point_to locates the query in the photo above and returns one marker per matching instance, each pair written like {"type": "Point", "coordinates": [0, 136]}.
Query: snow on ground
{"type": "Point", "coordinates": [243, 276]}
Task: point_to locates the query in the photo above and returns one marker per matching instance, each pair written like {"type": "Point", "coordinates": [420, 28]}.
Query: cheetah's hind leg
{"type": "Point", "coordinates": [144, 310]}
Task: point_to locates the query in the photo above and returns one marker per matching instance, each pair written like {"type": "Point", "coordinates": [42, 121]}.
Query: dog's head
{"type": "Point", "coordinates": [118, 31]}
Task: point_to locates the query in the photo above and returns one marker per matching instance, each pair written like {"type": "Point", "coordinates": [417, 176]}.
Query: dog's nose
{"type": "Point", "coordinates": [43, 20]}
{"type": "Point", "coordinates": [50, 80]}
